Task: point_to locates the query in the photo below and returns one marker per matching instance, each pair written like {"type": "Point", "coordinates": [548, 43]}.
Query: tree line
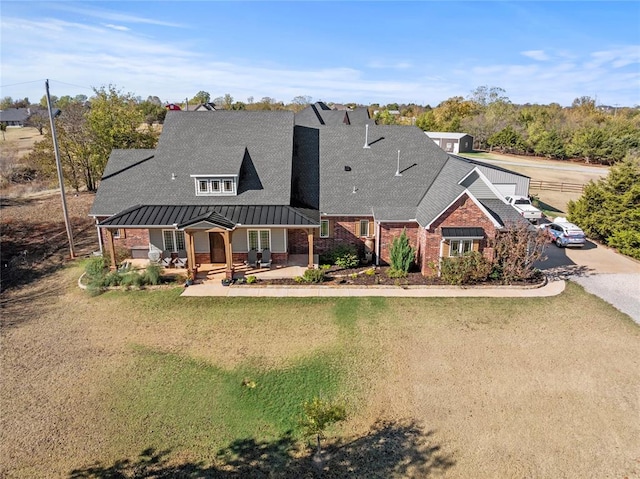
{"type": "Point", "coordinates": [90, 127]}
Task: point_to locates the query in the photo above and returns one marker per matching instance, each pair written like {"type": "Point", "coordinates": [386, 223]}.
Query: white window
{"type": "Point", "coordinates": [324, 228]}
{"type": "Point", "coordinates": [460, 247]}
{"type": "Point", "coordinates": [364, 227]}
{"type": "Point", "coordinates": [115, 234]}
{"type": "Point", "coordinates": [173, 240]}
{"type": "Point", "coordinates": [215, 186]}
{"type": "Point", "coordinates": [259, 239]}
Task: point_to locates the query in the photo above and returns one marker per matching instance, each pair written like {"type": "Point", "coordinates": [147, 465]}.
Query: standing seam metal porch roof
{"type": "Point", "coordinates": [225, 216]}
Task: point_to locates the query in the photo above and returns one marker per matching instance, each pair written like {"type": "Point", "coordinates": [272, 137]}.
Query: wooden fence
{"type": "Point", "coordinates": [556, 186]}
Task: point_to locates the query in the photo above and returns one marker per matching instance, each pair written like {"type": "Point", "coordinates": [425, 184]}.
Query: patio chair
{"type": "Point", "coordinates": [252, 259]}
{"type": "Point", "coordinates": [181, 260]}
{"type": "Point", "coordinates": [154, 256]}
{"type": "Point", "coordinates": [166, 260]}
{"type": "Point", "coordinates": [265, 260]}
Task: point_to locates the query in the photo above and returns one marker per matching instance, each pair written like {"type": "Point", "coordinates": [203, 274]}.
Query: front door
{"type": "Point", "coordinates": [216, 246]}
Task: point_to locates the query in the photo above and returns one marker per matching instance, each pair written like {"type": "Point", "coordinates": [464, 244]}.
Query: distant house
{"type": "Point", "coordinates": [223, 184]}
{"type": "Point", "coordinates": [452, 142]}
{"type": "Point", "coordinates": [205, 107]}
{"type": "Point", "coordinates": [14, 117]}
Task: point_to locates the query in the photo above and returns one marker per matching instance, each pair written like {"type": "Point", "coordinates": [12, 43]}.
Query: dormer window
{"type": "Point", "coordinates": [212, 186]}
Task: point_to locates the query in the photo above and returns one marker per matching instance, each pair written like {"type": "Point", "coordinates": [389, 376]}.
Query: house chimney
{"type": "Point", "coordinates": [366, 137]}
{"type": "Point", "coordinates": [398, 167]}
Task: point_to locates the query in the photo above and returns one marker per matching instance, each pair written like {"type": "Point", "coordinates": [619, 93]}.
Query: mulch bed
{"type": "Point", "coordinates": [358, 277]}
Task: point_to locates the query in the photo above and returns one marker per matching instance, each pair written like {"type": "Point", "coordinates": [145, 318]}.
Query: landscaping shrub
{"type": "Point", "coordinates": [396, 273]}
{"type": "Point", "coordinates": [251, 279]}
{"type": "Point", "coordinates": [95, 267]}
{"type": "Point", "coordinates": [401, 253]}
{"type": "Point", "coordinates": [313, 276]}
{"type": "Point", "coordinates": [152, 274]}
{"type": "Point", "coordinates": [466, 269]}
{"type": "Point", "coordinates": [344, 256]}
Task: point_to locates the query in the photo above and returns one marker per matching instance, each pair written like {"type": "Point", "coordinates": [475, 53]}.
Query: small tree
{"type": "Point", "coordinates": [318, 416]}
{"type": "Point", "coordinates": [401, 253]}
{"type": "Point", "coordinates": [517, 250]}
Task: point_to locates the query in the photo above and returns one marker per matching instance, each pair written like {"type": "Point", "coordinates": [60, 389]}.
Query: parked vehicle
{"type": "Point", "coordinates": [564, 234]}
{"type": "Point", "coordinates": [523, 205]}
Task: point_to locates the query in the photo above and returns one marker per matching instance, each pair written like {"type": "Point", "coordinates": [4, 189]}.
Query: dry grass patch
{"type": "Point", "coordinates": [485, 387]}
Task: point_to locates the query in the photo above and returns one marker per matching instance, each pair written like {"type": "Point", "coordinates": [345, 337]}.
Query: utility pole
{"type": "Point", "coordinates": [60, 177]}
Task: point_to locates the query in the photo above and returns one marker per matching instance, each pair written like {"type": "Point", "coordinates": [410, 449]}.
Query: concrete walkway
{"type": "Point", "coordinates": [215, 288]}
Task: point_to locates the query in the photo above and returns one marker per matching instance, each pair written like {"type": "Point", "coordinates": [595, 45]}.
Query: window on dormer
{"type": "Point", "coordinates": [215, 186]}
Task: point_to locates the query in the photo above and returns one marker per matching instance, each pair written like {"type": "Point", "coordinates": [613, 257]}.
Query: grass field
{"type": "Point", "coordinates": [148, 381]}
{"type": "Point", "coordinates": [555, 171]}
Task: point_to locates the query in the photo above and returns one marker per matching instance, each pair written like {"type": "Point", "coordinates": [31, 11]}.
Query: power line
{"type": "Point", "coordinates": [44, 79]}
{"type": "Point", "coordinates": [23, 83]}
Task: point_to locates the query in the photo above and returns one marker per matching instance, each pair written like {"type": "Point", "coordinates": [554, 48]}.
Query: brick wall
{"type": "Point", "coordinates": [342, 230]}
{"type": "Point", "coordinates": [128, 238]}
{"type": "Point", "coordinates": [389, 231]}
{"type": "Point", "coordinates": [463, 213]}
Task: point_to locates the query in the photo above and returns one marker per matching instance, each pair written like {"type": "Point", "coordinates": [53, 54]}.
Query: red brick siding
{"type": "Point", "coordinates": [463, 213]}
{"type": "Point", "coordinates": [389, 231]}
{"type": "Point", "coordinates": [342, 230]}
{"type": "Point", "coordinates": [128, 238]}
{"type": "Point", "coordinates": [203, 258]}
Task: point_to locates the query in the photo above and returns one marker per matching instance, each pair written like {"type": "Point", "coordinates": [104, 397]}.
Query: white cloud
{"type": "Point", "coordinates": [400, 65]}
{"type": "Point", "coordinates": [539, 55]}
{"type": "Point", "coordinates": [116, 27]}
{"type": "Point", "coordinates": [113, 16]}
{"type": "Point", "coordinates": [93, 55]}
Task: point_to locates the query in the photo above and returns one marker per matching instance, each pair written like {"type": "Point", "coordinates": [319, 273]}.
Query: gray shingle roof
{"type": "Point", "coordinates": [320, 114]}
{"type": "Point", "coordinates": [258, 146]}
{"type": "Point", "coordinates": [14, 114]}
{"type": "Point", "coordinates": [502, 212]}
{"type": "Point", "coordinates": [444, 190]}
{"type": "Point", "coordinates": [371, 181]}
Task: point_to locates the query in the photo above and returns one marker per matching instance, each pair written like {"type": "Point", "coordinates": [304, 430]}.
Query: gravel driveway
{"type": "Point", "coordinates": [620, 290]}
{"type": "Point", "coordinates": [601, 271]}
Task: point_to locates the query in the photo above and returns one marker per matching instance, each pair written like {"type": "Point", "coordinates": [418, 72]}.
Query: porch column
{"type": "Point", "coordinates": [228, 251]}
{"type": "Point", "coordinates": [191, 257]}
{"type": "Point", "coordinates": [310, 241]}
{"type": "Point", "coordinates": [112, 249]}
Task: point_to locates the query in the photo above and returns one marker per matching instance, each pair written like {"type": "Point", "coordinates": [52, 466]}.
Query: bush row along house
{"type": "Point", "coordinates": [221, 183]}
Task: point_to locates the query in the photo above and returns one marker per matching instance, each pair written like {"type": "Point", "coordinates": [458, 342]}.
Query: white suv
{"type": "Point", "coordinates": [565, 234]}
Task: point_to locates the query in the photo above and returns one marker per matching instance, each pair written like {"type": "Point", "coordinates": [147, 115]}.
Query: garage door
{"type": "Point", "coordinates": [507, 189]}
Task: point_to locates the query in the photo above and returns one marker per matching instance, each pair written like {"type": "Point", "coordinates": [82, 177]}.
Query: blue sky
{"type": "Point", "coordinates": [358, 51]}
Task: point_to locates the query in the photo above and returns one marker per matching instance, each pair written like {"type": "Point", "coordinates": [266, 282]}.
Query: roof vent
{"type": "Point", "coordinates": [173, 176]}
{"type": "Point", "coordinates": [354, 189]}
{"type": "Point", "coordinates": [398, 167]}
{"type": "Point", "coordinates": [366, 137]}
{"type": "Point", "coordinates": [347, 168]}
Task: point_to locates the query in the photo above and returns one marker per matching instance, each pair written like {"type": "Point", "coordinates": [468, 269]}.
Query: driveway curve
{"type": "Point", "coordinates": [601, 271]}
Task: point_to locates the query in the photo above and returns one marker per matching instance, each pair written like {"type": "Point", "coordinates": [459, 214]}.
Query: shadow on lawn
{"type": "Point", "coordinates": [389, 448]}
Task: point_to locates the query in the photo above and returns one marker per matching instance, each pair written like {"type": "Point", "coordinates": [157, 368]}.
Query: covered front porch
{"type": "Point", "coordinates": [222, 237]}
